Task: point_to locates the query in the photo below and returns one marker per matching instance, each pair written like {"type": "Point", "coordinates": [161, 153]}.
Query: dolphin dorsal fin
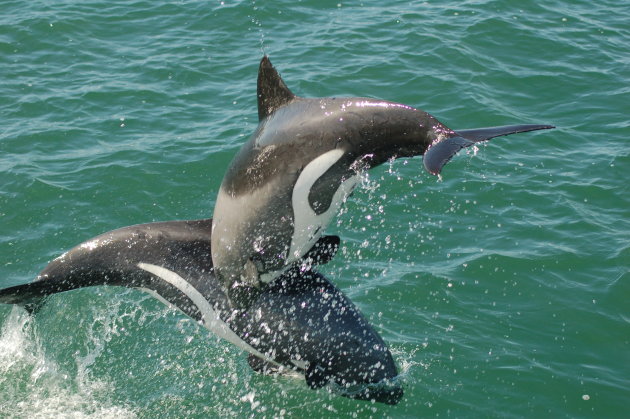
{"type": "Point", "coordinates": [272, 91]}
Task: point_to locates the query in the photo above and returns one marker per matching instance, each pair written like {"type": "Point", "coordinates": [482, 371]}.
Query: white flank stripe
{"type": "Point", "coordinates": [307, 222]}
{"type": "Point", "coordinates": [209, 316]}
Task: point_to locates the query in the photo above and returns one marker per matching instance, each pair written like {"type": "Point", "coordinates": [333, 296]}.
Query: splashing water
{"type": "Point", "coordinates": [43, 390]}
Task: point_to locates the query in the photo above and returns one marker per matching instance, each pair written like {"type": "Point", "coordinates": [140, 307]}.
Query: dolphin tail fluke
{"type": "Point", "coordinates": [30, 296]}
{"type": "Point", "coordinates": [52, 280]}
{"type": "Point", "coordinates": [484, 134]}
{"type": "Point", "coordinates": [439, 153]}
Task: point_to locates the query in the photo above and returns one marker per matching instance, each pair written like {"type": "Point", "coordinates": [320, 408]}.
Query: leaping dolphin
{"type": "Point", "coordinates": [301, 322]}
{"type": "Point", "coordinates": [249, 275]}
{"type": "Point", "coordinates": [288, 181]}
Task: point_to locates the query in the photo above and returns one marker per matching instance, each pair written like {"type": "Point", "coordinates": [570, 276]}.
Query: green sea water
{"type": "Point", "coordinates": [503, 289]}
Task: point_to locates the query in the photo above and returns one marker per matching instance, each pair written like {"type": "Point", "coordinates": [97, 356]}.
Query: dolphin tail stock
{"type": "Point", "coordinates": [114, 258]}
{"type": "Point", "coordinates": [30, 296]}
{"type": "Point", "coordinates": [440, 152]}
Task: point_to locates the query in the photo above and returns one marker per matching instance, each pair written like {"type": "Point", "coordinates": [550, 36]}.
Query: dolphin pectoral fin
{"type": "Point", "coordinates": [439, 153]}
{"type": "Point", "coordinates": [316, 377]}
{"type": "Point", "coordinates": [323, 250]}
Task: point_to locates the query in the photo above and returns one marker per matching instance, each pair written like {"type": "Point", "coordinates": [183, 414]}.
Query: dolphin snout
{"type": "Point", "coordinates": [367, 375]}
{"type": "Point", "coordinates": [381, 386]}
{"type": "Point", "coordinates": [386, 391]}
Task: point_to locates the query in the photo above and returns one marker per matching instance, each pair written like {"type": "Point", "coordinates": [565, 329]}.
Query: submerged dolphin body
{"type": "Point", "coordinates": [301, 322]}
{"type": "Point", "coordinates": [248, 274]}
{"type": "Point", "coordinates": [288, 181]}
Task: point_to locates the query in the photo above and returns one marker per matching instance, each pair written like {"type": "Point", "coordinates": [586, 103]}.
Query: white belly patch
{"type": "Point", "coordinates": [209, 316]}
{"type": "Point", "coordinates": [309, 226]}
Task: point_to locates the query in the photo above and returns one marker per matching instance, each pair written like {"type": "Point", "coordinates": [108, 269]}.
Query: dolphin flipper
{"type": "Point", "coordinates": [439, 153]}
{"type": "Point", "coordinates": [323, 250]}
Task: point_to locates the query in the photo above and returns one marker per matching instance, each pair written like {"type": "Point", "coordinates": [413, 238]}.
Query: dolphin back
{"type": "Point", "coordinates": [117, 258]}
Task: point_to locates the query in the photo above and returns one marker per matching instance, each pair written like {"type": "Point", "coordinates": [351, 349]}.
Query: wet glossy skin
{"type": "Point", "coordinates": [254, 214]}
{"type": "Point", "coordinates": [243, 276]}
{"type": "Point", "coordinates": [301, 322]}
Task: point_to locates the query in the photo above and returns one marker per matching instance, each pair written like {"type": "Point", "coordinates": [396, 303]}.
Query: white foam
{"type": "Point", "coordinates": [34, 386]}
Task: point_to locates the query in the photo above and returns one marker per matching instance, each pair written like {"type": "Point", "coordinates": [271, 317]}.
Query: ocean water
{"type": "Point", "coordinates": [503, 288]}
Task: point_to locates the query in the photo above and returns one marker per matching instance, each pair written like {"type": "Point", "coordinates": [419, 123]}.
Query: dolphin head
{"type": "Point", "coordinates": [352, 368]}
{"type": "Point", "coordinates": [304, 323]}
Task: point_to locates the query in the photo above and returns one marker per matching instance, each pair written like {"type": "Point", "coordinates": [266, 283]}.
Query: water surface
{"type": "Point", "coordinates": [502, 289]}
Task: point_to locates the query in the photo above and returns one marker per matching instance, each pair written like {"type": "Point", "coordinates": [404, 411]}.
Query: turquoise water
{"type": "Point", "coordinates": [503, 289]}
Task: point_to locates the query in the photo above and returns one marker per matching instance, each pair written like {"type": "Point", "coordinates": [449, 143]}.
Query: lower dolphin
{"type": "Point", "coordinates": [301, 322]}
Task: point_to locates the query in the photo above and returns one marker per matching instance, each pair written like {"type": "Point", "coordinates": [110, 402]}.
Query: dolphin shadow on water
{"type": "Point", "coordinates": [249, 273]}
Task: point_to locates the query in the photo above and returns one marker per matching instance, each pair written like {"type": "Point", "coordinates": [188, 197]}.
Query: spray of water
{"type": "Point", "coordinates": [44, 389]}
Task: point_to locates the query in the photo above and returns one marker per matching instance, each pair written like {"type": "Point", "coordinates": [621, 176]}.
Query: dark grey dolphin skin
{"type": "Point", "coordinates": [301, 322]}
{"type": "Point", "coordinates": [287, 182]}
{"type": "Point", "coordinates": [248, 275]}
